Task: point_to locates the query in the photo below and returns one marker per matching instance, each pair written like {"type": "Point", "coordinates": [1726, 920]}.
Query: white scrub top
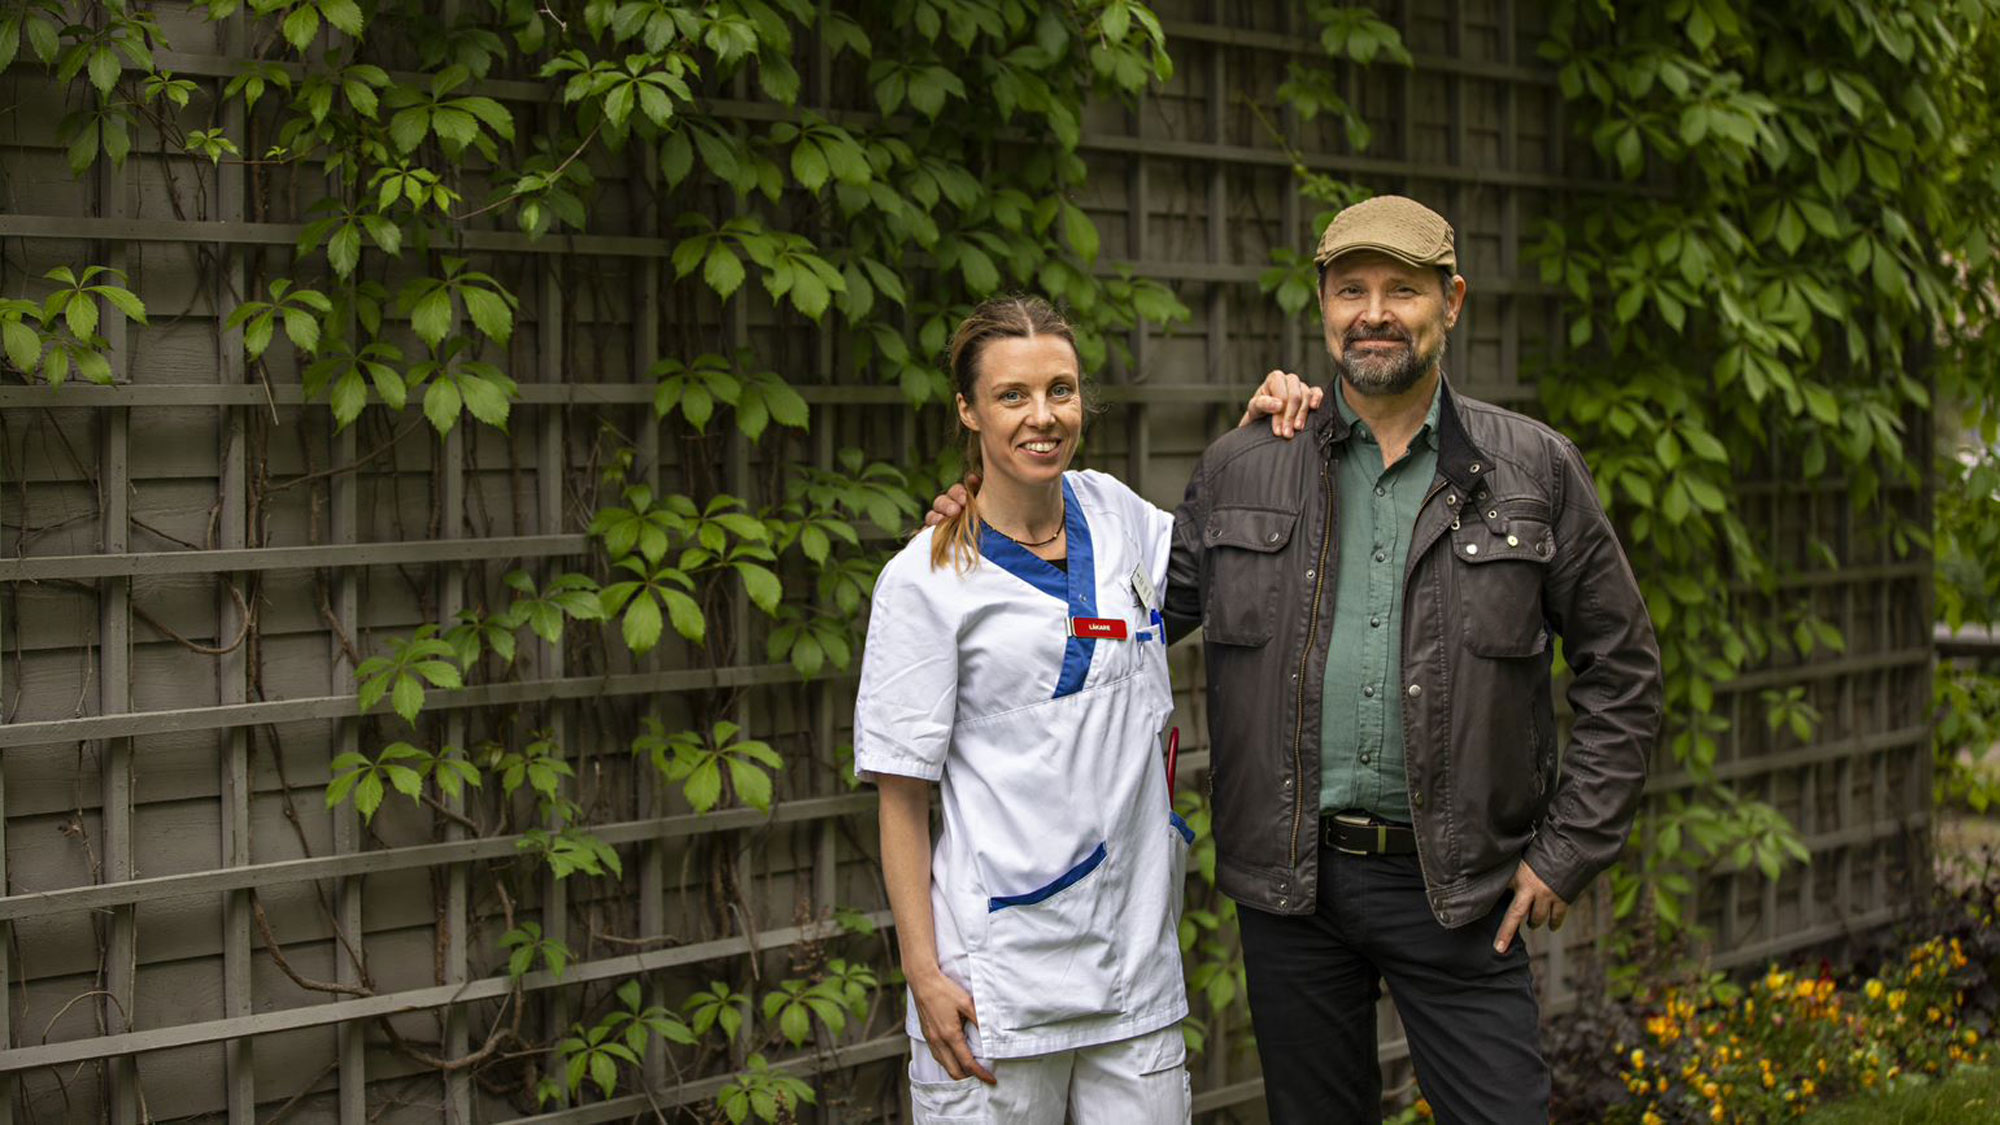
{"type": "Point", "coordinates": [1056, 880]}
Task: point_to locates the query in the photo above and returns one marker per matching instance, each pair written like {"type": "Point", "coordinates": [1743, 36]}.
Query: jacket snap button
{"type": "Point", "coordinates": [1281, 901]}
{"type": "Point", "coordinates": [1494, 514]}
{"type": "Point", "coordinates": [1309, 572]}
{"type": "Point", "coordinates": [1472, 548]}
{"type": "Point", "coordinates": [1475, 466]}
{"type": "Point", "coordinates": [1513, 541]}
{"type": "Point", "coordinates": [1274, 537]}
{"type": "Point", "coordinates": [1541, 548]}
{"type": "Point", "coordinates": [1416, 690]}
{"type": "Point", "coordinates": [1417, 799]}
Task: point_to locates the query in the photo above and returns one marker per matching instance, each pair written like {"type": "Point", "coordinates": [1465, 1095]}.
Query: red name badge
{"type": "Point", "coordinates": [1097, 628]}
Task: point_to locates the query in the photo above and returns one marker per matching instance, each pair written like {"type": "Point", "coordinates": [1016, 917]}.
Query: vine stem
{"type": "Point", "coordinates": [560, 169]}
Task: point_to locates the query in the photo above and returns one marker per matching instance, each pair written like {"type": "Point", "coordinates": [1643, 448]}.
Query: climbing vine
{"type": "Point", "coordinates": [1794, 262]}
{"type": "Point", "coordinates": [936, 165]}
{"type": "Point", "coordinates": [1794, 267]}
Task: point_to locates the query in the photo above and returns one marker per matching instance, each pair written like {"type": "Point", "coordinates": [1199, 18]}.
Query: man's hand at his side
{"type": "Point", "coordinates": [1287, 398]}
{"type": "Point", "coordinates": [1534, 903]}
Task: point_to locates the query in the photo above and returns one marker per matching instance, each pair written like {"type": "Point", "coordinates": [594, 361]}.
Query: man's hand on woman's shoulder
{"type": "Point", "coordinates": [1284, 397]}
{"type": "Point", "coordinates": [1288, 400]}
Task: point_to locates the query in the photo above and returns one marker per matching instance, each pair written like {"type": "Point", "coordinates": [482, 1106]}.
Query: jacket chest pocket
{"type": "Point", "coordinates": [1499, 572]}
{"type": "Point", "coordinates": [1246, 554]}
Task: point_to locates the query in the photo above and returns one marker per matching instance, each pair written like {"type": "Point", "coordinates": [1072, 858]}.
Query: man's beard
{"type": "Point", "coordinates": [1389, 374]}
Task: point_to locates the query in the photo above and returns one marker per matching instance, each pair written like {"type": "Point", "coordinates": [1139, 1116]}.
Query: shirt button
{"type": "Point", "coordinates": [1380, 491]}
{"type": "Point", "coordinates": [1364, 759]}
{"type": "Point", "coordinates": [1381, 556]}
{"type": "Point", "coordinates": [1374, 623]}
{"type": "Point", "coordinates": [1288, 783]}
{"type": "Point", "coordinates": [1309, 573]}
{"type": "Point", "coordinates": [1369, 691]}
{"type": "Point", "coordinates": [1416, 690]}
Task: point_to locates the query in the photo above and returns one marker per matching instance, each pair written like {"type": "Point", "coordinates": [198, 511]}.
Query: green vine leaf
{"type": "Point", "coordinates": [526, 944]}
{"type": "Point", "coordinates": [345, 376]}
{"type": "Point", "coordinates": [770, 1094]}
{"type": "Point", "coordinates": [458, 123]}
{"type": "Point", "coordinates": [432, 304]}
{"type": "Point", "coordinates": [298, 309]}
{"type": "Point", "coordinates": [697, 763]}
{"type": "Point", "coordinates": [368, 781]}
{"type": "Point", "coordinates": [717, 1007]}
{"type": "Point", "coordinates": [411, 663]}
{"type": "Point", "coordinates": [641, 600]}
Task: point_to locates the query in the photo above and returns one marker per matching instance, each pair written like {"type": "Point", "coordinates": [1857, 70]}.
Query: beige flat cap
{"type": "Point", "coordinates": [1394, 225]}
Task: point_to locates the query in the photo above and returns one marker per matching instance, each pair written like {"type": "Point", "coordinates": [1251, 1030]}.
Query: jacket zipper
{"type": "Point", "coordinates": [1305, 658]}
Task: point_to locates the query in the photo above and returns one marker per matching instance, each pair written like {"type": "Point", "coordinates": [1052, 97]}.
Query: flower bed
{"type": "Point", "coordinates": [1721, 1052]}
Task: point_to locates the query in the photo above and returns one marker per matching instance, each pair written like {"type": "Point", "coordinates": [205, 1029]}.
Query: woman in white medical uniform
{"type": "Point", "coordinates": [1016, 658]}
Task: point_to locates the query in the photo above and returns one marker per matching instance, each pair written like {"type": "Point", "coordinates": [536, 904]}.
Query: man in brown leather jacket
{"type": "Point", "coordinates": [1380, 600]}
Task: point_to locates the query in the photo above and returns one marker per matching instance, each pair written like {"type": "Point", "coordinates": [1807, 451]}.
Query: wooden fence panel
{"type": "Point", "coordinates": [163, 767]}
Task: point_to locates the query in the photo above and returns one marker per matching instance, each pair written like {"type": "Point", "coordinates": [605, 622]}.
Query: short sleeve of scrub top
{"type": "Point", "coordinates": [909, 680]}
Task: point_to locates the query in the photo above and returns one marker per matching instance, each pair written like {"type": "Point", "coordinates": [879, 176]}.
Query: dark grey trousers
{"type": "Point", "coordinates": [1473, 1023]}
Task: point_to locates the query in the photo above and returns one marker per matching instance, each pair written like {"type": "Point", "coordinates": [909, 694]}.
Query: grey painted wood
{"type": "Point", "coordinates": [1188, 189]}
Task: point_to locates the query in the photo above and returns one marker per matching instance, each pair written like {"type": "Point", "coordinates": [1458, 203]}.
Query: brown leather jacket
{"type": "Point", "coordinates": [1511, 545]}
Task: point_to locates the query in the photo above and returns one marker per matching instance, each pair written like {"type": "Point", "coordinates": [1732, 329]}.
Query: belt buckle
{"type": "Point", "coordinates": [1351, 820]}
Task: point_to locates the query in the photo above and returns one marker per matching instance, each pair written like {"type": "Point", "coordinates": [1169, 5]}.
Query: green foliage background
{"type": "Point", "coordinates": [1808, 270]}
{"type": "Point", "coordinates": [1801, 267]}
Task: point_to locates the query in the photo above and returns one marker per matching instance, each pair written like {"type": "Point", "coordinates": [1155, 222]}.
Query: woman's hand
{"type": "Point", "coordinates": [943, 1010]}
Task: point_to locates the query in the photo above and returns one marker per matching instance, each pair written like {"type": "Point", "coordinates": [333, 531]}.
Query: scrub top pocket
{"type": "Point", "coordinates": [1051, 958]}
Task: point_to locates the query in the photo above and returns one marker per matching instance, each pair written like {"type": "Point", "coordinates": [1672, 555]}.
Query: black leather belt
{"type": "Point", "coordinates": [1361, 834]}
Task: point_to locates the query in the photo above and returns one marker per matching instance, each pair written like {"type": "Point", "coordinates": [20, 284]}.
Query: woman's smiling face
{"type": "Point", "coordinates": [1027, 408]}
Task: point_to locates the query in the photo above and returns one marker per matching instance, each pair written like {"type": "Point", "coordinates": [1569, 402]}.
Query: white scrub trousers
{"type": "Point", "coordinates": [1138, 1081]}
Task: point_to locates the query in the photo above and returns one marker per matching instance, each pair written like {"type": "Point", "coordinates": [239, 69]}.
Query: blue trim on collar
{"type": "Point", "coordinates": [1022, 563]}
{"type": "Point", "coordinates": [1181, 826]}
{"type": "Point", "coordinates": [1067, 880]}
{"type": "Point", "coordinates": [1075, 587]}
{"type": "Point", "coordinates": [1082, 601]}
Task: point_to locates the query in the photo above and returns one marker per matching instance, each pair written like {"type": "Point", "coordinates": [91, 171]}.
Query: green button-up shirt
{"type": "Point", "coordinates": [1361, 716]}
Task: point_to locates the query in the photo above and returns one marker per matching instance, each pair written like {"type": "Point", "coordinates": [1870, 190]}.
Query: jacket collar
{"type": "Point", "coordinates": [1459, 460]}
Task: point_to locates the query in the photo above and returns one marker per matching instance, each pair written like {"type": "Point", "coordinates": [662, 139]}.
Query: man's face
{"type": "Point", "coordinates": [1385, 321]}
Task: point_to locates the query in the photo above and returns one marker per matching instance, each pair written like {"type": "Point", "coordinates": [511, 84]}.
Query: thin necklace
{"type": "Point", "coordinates": [1060, 526]}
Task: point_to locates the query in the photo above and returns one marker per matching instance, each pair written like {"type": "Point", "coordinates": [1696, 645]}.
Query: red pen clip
{"type": "Point", "coordinates": [1173, 757]}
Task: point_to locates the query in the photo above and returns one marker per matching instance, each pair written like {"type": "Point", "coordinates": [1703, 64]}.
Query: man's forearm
{"type": "Point", "coordinates": [1182, 610]}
